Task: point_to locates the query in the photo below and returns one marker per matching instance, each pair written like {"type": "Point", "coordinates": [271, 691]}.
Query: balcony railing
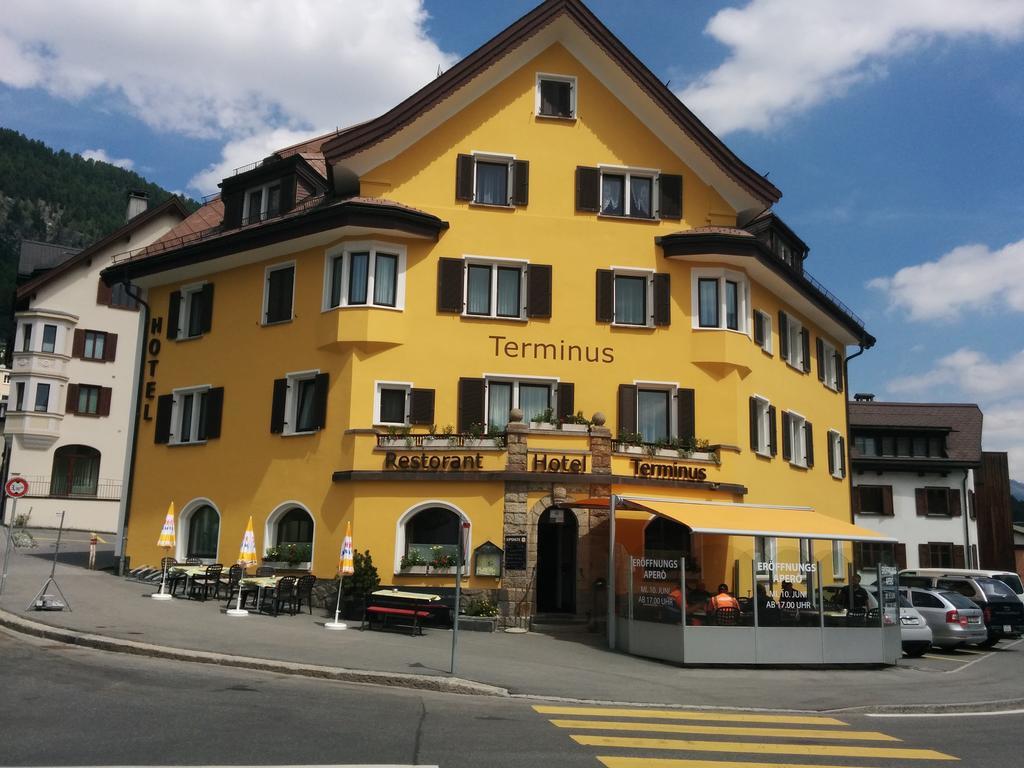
{"type": "Point", "coordinates": [43, 486]}
{"type": "Point", "coordinates": [437, 440]}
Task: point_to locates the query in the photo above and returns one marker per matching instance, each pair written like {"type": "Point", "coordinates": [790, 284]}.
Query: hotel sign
{"type": "Point", "coordinates": [660, 471]}
{"type": "Point", "coordinates": [544, 463]}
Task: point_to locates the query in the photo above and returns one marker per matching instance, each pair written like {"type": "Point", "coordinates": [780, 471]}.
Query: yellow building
{"type": "Point", "coordinates": [538, 280]}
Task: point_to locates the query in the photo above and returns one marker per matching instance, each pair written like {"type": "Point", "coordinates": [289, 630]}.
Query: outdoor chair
{"type": "Point", "coordinates": [855, 618]}
{"type": "Point", "coordinates": [726, 617]}
{"type": "Point", "coordinates": [205, 585]}
{"type": "Point", "coordinates": [231, 583]}
{"type": "Point", "coordinates": [304, 592]}
{"type": "Point", "coordinates": [281, 595]}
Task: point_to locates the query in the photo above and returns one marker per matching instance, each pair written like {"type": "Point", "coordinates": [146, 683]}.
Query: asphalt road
{"type": "Point", "coordinates": [61, 705]}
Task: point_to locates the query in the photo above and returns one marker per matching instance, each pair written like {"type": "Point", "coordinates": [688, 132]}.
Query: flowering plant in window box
{"type": "Point", "coordinates": [413, 560]}
{"type": "Point", "coordinates": [441, 560]}
{"type": "Point", "coordinates": [577, 423]}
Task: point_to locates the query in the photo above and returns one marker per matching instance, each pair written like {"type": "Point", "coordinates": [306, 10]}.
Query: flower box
{"type": "Point", "coordinates": [410, 570]}
{"type": "Point", "coordinates": [664, 453]}
{"type": "Point", "coordinates": [284, 565]}
{"type": "Point", "coordinates": [575, 427]}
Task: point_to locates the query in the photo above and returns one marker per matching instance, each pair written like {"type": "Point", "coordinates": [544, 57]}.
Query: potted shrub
{"type": "Point", "coordinates": [544, 420]}
{"type": "Point", "coordinates": [577, 423]}
{"type": "Point", "coordinates": [479, 615]}
{"type": "Point", "coordinates": [361, 583]}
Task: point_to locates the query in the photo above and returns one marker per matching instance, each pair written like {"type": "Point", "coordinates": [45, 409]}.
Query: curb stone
{"type": "Point", "coordinates": [393, 679]}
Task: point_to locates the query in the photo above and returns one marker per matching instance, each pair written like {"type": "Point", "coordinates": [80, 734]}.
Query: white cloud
{"type": "Point", "coordinates": [1004, 431]}
{"type": "Point", "coordinates": [970, 277]}
{"type": "Point", "coordinates": [229, 70]}
{"type": "Point", "coordinates": [787, 56]}
{"type": "Point", "coordinates": [236, 154]}
{"type": "Point", "coordinates": [100, 155]}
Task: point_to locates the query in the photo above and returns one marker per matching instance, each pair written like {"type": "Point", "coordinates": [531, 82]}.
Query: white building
{"type": "Point", "coordinates": [74, 365]}
{"type": "Point", "coordinates": [913, 479]}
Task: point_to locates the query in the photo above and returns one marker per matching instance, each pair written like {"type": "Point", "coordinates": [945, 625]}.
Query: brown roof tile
{"type": "Point", "coordinates": [963, 419]}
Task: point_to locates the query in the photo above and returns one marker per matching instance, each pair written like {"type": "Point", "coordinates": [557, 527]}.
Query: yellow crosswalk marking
{"type": "Point", "coordinates": [647, 762]}
{"type": "Point", "coordinates": [679, 714]}
{"type": "Point", "coordinates": [742, 747]}
{"type": "Point", "coordinates": [725, 730]}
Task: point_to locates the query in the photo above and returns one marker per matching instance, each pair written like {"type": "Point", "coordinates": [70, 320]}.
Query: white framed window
{"type": "Point", "coordinates": [761, 420]}
{"type": "Point", "coordinates": [188, 415]}
{"type": "Point", "coordinates": [300, 404]}
{"type": "Point", "coordinates": [720, 299]}
{"type": "Point", "coordinates": [836, 454]}
{"type": "Point", "coordinates": [794, 345]}
{"type": "Point", "coordinates": [190, 314]}
{"type": "Point", "coordinates": [838, 561]}
{"type": "Point", "coordinates": [262, 202]}
{"type": "Point", "coordinates": [556, 96]}
{"type": "Point", "coordinates": [391, 403]}
{"type": "Point", "coordinates": [798, 439]}
{"type": "Point", "coordinates": [493, 179]}
{"type": "Point", "coordinates": [629, 192]}
{"type": "Point", "coordinates": [429, 529]}
{"type": "Point", "coordinates": [278, 293]}
{"type": "Point", "coordinates": [365, 274]}
{"type": "Point", "coordinates": [49, 339]}
{"type": "Point", "coordinates": [42, 404]}
{"type": "Point", "coordinates": [533, 395]}
{"type": "Point", "coordinates": [656, 410]}
{"type": "Point", "coordinates": [495, 288]}
{"type": "Point", "coordinates": [829, 361]}
{"type": "Point", "coordinates": [633, 297]}
{"type": "Point", "coordinates": [765, 555]}
{"type": "Point", "coordinates": [763, 331]}
{"type": "Point", "coordinates": [26, 337]}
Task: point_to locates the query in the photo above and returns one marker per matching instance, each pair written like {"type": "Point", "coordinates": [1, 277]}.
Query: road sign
{"type": "Point", "coordinates": [16, 487]}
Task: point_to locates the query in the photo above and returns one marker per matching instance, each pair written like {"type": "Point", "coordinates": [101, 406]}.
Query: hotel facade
{"type": "Point", "coordinates": [538, 282]}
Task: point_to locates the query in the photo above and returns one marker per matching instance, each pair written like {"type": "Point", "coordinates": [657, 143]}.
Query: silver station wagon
{"type": "Point", "coordinates": [953, 618]}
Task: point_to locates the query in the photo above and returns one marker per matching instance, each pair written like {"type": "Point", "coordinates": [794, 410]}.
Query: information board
{"type": "Point", "coordinates": [515, 553]}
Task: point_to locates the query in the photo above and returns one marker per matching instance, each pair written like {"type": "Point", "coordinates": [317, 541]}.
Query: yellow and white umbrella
{"type": "Point", "coordinates": [247, 554]}
{"type": "Point", "coordinates": [345, 568]}
{"type": "Point", "coordinates": [167, 541]}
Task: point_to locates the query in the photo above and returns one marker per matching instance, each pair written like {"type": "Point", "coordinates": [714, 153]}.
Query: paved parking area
{"type": "Point", "coordinates": [956, 660]}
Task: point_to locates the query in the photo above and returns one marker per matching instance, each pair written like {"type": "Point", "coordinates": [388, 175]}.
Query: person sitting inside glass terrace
{"type": "Point", "coordinates": [853, 595]}
{"type": "Point", "coordinates": [722, 600]}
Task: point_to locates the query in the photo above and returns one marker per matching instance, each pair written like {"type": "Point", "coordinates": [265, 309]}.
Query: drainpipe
{"type": "Point", "coordinates": [965, 509]}
{"type": "Point", "coordinates": [846, 378]}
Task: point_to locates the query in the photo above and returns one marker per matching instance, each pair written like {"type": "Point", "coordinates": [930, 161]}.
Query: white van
{"type": "Point", "coordinates": [1010, 579]}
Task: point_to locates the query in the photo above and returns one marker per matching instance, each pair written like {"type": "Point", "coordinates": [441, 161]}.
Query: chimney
{"type": "Point", "coordinates": [864, 397]}
{"type": "Point", "coordinates": [138, 202]}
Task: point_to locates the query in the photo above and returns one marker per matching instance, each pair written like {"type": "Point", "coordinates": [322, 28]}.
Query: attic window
{"type": "Point", "coordinates": [556, 96]}
{"type": "Point", "coordinates": [262, 202]}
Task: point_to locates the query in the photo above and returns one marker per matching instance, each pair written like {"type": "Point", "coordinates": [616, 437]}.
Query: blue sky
{"type": "Point", "coordinates": [893, 132]}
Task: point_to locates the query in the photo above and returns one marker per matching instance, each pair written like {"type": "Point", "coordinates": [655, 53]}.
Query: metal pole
{"type": "Point", "coordinates": [611, 571]}
{"type": "Point", "coordinates": [458, 594]}
{"type": "Point", "coordinates": [7, 546]}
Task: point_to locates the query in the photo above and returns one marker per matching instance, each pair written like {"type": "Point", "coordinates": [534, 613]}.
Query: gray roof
{"type": "Point", "coordinates": [964, 421]}
{"type": "Point", "coordinates": [38, 257]}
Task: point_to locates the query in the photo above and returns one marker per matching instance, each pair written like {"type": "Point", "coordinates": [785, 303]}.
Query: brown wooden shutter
{"type": "Point", "coordinates": [783, 335]}
{"type": "Point", "coordinates": [164, 405]}
{"type": "Point", "coordinates": [234, 204]}
{"type": "Point", "coordinates": [538, 290]}
{"type": "Point", "coordinates": [277, 406]}
{"type": "Point", "coordinates": [421, 406]}
{"type": "Point", "coordinates": [103, 406]}
{"type": "Point", "coordinates": [605, 301]}
{"type": "Point", "coordinates": [173, 314]}
{"type": "Point", "coordinates": [471, 404]}
{"type": "Point", "coordinates": [588, 189]}
{"type": "Point", "coordinates": [566, 401]}
{"type": "Point", "coordinates": [78, 343]}
{"type": "Point", "coordinates": [758, 328]}
{"type": "Point", "coordinates": [887, 507]}
{"type": "Point", "coordinates": [955, 508]}
{"type": "Point", "coordinates": [971, 501]}
{"type": "Point", "coordinates": [839, 371]}
{"type": "Point", "coordinates": [753, 424]}
{"type": "Point", "coordinates": [787, 446]}
{"type": "Point", "coordinates": [206, 310]}
{"type": "Point", "coordinates": [958, 555]}
{"type": "Point", "coordinates": [831, 451]}
{"type": "Point", "coordinates": [464, 177]}
{"type": "Point", "coordinates": [521, 182]}
{"type": "Point", "coordinates": [110, 347]}
{"type": "Point", "coordinates": [662, 299]}
{"type": "Point", "coordinates": [855, 500]}
{"type": "Point", "coordinates": [103, 293]}
{"type": "Point", "coordinates": [670, 196]}
{"type": "Point", "coordinates": [627, 409]}
{"type": "Point", "coordinates": [772, 429]}
{"type": "Point", "coordinates": [805, 340]}
{"type": "Point", "coordinates": [921, 501]}
{"type": "Point", "coordinates": [842, 456]}
{"type": "Point", "coordinates": [821, 357]}
{"type": "Point", "coordinates": [71, 406]}
{"type": "Point", "coordinates": [449, 285]}
{"type": "Point", "coordinates": [924, 559]}
{"type": "Point", "coordinates": [287, 199]}
{"type": "Point", "coordinates": [901, 555]}
{"type": "Point", "coordinates": [686, 413]}
{"type": "Point", "coordinates": [214, 413]}
{"type": "Point", "coordinates": [809, 437]}
{"type": "Point", "coordinates": [320, 386]}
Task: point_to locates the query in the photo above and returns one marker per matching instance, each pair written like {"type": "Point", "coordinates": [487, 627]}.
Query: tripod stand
{"type": "Point", "coordinates": [37, 601]}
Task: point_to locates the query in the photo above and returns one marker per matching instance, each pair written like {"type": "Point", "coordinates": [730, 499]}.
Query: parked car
{"type": "Point", "coordinates": [1002, 611]}
{"type": "Point", "coordinates": [915, 633]}
{"type": "Point", "coordinates": [1010, 579]}
{"type": "Point", "coordinates": [953, 619]}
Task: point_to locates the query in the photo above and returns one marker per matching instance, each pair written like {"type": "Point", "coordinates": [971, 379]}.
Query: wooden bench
{"type": "Point", "coordinates": [385, 613]}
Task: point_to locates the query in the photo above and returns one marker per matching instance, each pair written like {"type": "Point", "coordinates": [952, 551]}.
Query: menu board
{"type": "Point", "coordinates": [515, 553]}
{"type": "Point", "coordinates": [888, 588]}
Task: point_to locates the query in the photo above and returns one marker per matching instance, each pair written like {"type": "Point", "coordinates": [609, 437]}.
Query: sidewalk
{"type": "Point", "coordinates": [575, 666]}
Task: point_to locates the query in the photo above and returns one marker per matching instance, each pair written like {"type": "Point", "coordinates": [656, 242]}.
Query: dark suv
{"type": "Point", "coordinates": [1003, 611]}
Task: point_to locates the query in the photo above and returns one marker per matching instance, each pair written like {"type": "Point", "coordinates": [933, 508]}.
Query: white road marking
{"type": "Point", "coordinates": [947, 714]}
{"type": "Point", "coordinates": [982, 658]}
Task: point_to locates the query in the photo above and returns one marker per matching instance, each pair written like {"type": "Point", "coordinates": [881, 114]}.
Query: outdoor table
{"type": "Point", "coordinates": [189, 572]}
{"type": "Point", "coordinates": [261, 583]}
{"type": "Point", "coordinates": [393, 598]}
{"type": "Point", "coordinates": [421, 596]}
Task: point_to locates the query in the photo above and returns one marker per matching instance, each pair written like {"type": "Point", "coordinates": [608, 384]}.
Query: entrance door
{"type": "Point", "coordinates": [556, 562]}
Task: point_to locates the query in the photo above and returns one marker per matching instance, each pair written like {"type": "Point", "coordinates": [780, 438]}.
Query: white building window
{"type": "Point", "coordinates": [42, 404]}
{"type": "Point", "coordinates": [656, 418]}
{"type": "Point", "coordinates": [556, 96]}
{"type": "Point", "coordinates": [190, 314]}
{"type": "Point", "coordinates": [828, 359]}
{"type": "Point", "coordinates": [301, 403]}
{"type": "Point", "coordinates": [630, 192]}
{"type": "Point", "coordinates": [493, 179]}
{"type": "Point", "coordinates": [26, 337]}
{"type": "Point", "coordinates": [720, 299]}
{"type": "Point", "coordinates": [765, 554]}
{"type": "Point", "coordinates": [762, 421]}
{"type": "Point", "coordinates": [633, 297]}
{"type": "Point", "coordinates": [49, 339]}
{"type": "Point", "coordinates": [262, 202]}
{"type": "Point", "coordinates": [836, 454]}
{"type": "Point", "coordinates": [838, 561]}
{"type": "Point", "coordinates": [391, 403]}
{"type": "Point", "coordinates": [763, 330]}
{"type": "Point", "coordinates": [495, 288]}
{"type": "Point", "coordinates": [365, 274]}
{"type": "Point", "coordinates": [188, 415]}
{"type": "Point", "coordinates": [794, 342]}
{"type": "Point", "coordinates": [535, 397]}
{"type": "Point", "coordinates": [798, 442]}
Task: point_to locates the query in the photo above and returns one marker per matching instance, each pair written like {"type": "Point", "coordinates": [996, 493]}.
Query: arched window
{"type": "Point", "coordinates": [664, 535]}
{"type": "Point", "coordinates": [76, 471]}
{"type": "Point", "coordinates": [431, 531]}
{"type": "Point", "coordinates": [294, 527]}
{"type": "Point", "coordinates": [203, 532]}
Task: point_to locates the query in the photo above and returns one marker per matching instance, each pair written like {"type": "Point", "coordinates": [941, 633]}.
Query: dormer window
{"type": "Point", "coordinates": [556, 96]}
{"type": "Point", "coordinates": [262, 202]}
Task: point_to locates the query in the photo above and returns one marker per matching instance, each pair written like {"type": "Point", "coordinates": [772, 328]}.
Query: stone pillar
{"type": "Point", "coordinates": [516, 437]}
{"type": "Point", "coordinates": [600, 446]}
{"type": "Point", "coordinates": [514, 606]}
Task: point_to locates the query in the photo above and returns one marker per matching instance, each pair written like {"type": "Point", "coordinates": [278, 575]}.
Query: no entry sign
{"type": "Point", "coordinates": [16, 487]}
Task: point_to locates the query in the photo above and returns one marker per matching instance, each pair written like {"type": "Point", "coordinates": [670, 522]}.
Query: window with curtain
{"type": "Point", "coordinates": [491, 183]}
{"type": "Point", "coordinates": [365, 274]}
{"type": "Point", "coordinates": [652, 414]}
{"type": "Point", "coordinates": [385, 280]}
{"type": "Point", "coordinates": [707, 298]}
{"type": "Point", "coordinates": [630, 300]}
{"type": "Point", "coordinates": [478, 289]}
{"type": "Point", "coordinates": [494, 290]}
{"type": "Point", "coordinates": [556, 97]}
{"type": "Point", "coordinates": [432, 531]}
{"type": "Point", "coordinates": [499, 403]}
{"type": "Point", "coordinates": [613, 197]}
{"type": "Point", "coordinates": [533, 398]}
{"type": "Point", "coordinates": [732, 318]}
{"type": "Point", "coordinates": [640, 189]}
{"type": "Point", "coordinates": [203, 530]}
{"type": "Point", "coordinates": [76, 471]}
{"type": "Point", "coordinates": [720, 301]}
{"type": "Point", "coordinates": [358, 277]}
{"type": "Point", "coordinates": [628, 193]}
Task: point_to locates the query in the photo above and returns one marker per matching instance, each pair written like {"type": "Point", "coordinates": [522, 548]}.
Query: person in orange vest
{"type": "Point", "coordinates": [722, 600]}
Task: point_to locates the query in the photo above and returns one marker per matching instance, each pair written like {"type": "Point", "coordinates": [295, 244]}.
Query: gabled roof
{"type": "Point", "coordinates": [172, 205]}
{"type": "Point", "coordinates": [358, 138]}
{"type": "Point", "coordinates": [36, 256]}
{"type": "Point", "coordinates": [962, 420]}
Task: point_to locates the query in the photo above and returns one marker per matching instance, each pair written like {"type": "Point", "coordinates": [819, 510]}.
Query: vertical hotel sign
{"type": "Point", "coordinates": [153, 346]}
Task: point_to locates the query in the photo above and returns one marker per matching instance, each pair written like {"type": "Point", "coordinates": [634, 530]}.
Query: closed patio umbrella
{"type": "Point", "coordinates": [167, 541]}
{"type": "Point", "coordinates": [345, 568]}
{"type": "Point", "coordinates": [246, 557]}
